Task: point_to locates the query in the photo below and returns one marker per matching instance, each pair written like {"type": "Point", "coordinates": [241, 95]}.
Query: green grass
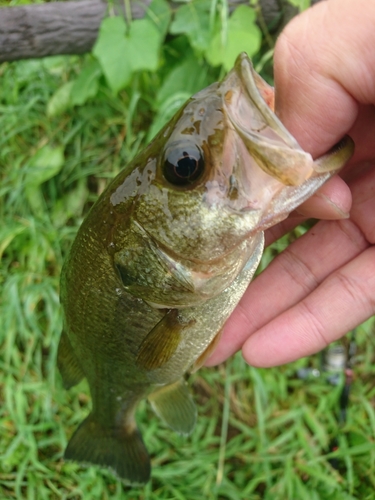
{"type": "Point", "coordinates": [261, 434]}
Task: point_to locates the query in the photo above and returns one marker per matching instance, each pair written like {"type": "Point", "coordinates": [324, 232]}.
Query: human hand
{"type": "Point", "coordinates": [323, 284]}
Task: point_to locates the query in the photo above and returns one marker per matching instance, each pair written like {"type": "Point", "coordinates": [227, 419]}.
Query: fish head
{"type": "Point", "coordinates": [225, 168]}
{"type": "Point", "coordinates": [219, 173]}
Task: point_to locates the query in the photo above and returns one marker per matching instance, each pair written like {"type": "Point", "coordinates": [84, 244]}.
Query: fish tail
{"type": "Point", "coordinates": [120, 449]}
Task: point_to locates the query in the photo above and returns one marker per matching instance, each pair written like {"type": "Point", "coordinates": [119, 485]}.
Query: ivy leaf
{"type": "Point", "coordinates": [121, 52]}
{"type": "Point", "coordinates": [243, 36]}
{"type": "Point", "coordinates": [193, 20]}
{"type": "Point", "coordinates": [143, 45]}
{"type": "Point", "coordinates": [111, 51]}
{"type": "Point", "coordinates": [159, 13]}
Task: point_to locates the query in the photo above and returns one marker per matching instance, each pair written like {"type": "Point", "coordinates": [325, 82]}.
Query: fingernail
{"type": "Point", "coordinates": [340, 212]}
{"type": "Point", "coordinates": [321, 212]}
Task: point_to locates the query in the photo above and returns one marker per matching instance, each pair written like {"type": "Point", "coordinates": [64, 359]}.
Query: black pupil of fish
{"type": "Point", "coordinates": [185, 169]}
{"type": "Point", "coordinates": [186, 166]}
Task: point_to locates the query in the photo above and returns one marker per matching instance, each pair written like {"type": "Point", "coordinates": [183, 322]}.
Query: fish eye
{"type": "Point", "coordinates": [183, 166]}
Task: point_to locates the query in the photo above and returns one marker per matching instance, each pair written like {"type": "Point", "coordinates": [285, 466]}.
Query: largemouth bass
{"type": "Point", "coordinates": [166, 253]}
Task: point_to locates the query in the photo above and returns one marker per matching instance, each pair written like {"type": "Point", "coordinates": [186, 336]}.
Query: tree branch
{"type": "Point", "coordinates": [40, 30]}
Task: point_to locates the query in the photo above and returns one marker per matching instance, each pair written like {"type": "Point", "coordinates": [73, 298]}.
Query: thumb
{"type": "Point", "coordinates": [325, 68]}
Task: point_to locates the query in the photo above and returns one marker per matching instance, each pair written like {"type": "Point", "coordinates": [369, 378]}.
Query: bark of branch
{"type": "Point", "coordinates": [40, 30]}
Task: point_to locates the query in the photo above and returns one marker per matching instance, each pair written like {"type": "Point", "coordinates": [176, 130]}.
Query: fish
{"type": "Point", "coordinates": [164, 256]}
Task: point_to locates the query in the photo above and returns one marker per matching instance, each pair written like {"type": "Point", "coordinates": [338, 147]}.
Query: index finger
{"type": "Point", "coordinates": [290, 277]}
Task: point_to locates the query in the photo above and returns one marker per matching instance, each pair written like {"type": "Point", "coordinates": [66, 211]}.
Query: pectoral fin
{"type": "Point", "coordinates": [175, 406]}
{"type": "Point", "coordinates": [162, 341]}
{"type": "Point", "coordinates": [67, 363]}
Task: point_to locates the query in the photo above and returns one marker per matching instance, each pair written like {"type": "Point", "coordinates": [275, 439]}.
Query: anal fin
{"type": "Point", "coordinates": [121, 449]}
{"type": "Point", "coordinates": [175, 406]}
{"type": "Point", "coordinates": [67, 363]}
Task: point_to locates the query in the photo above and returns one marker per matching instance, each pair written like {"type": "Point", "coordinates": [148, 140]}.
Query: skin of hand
{"type": "Point", "coordinates": [323, 284]}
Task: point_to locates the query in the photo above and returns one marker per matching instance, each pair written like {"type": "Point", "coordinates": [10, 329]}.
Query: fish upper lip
{"type": "Point", "coordinates": [264, 136]}
{"type": "Point", "coordinates": [245, 72]}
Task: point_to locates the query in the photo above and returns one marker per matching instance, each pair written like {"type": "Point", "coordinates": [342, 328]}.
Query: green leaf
{"type": "Point", "coordinates": [60, 100]}
{"type": "Point", "coordinates": [159, 13]}
{"type": "Point", "coordinates": [243, 36]}
{"type": "Point", "coordinates": [300, 4]}
{"type": "Point", "coordinates": [45, 164]}
{"type": "Point", "coordinates": [166, 112]}
{"type": "Point", "coordinates": [188, 77]}
{"type": "Point", "coordinates": [111, 51]}
{"type": "Point", "coordinates": [143, 45]}
{"type": "Point", "coordinates": [8, 233]}
{"type": "Point", "coordinates": [121, 53]}
{"type": "Point", "coordinates": [179, 85]}
{"type": "Point", "coordinates": [193, 20]}
{"type": "Point", "coordinates": [71, 205]}
{"type": "Point", "coordinates": [86, 85]}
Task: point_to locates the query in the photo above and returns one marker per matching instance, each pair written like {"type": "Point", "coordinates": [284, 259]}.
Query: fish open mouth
{"type": "Point", "coordinates": [248, 103]}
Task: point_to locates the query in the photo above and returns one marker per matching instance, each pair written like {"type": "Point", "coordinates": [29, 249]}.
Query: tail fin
{"type": "Point", "coordinates": [120, 449]}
